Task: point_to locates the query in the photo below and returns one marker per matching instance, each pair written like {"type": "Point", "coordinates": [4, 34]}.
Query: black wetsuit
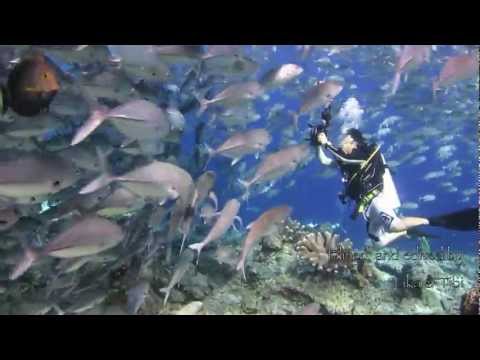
{"type": "Point", "coordinates": [367, 179]}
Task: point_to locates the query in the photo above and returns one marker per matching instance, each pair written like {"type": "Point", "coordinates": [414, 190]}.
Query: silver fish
{"type": "Point", "coordinates": [241, 144]}
{"type": "Point", "coordinates": [136, 296]}
{"type": "Point", "coordinates": [183, 265]}
{"type": "Point", "coordinates": [29, 178]}
{"type": "Point", "coordinates": [224, 222]}
{"type": "Point", "coordinates": [281, 75]}
{"type": "Point", "coordinates": [89, 235]}
{"type": "Point", "coordinates": [278, 164]}
{"type": "Point", "coordinates": [233, 95]}
{"type": "Point", "coordinates": [157, 180]}
{"type": "Point", "coordinates": [265, 225]}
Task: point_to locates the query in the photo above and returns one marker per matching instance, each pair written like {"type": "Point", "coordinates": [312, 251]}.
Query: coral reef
{"type": "Point", "coordinates": [340, 281]}
{"type": "Point", "coordinates": [324, 251]}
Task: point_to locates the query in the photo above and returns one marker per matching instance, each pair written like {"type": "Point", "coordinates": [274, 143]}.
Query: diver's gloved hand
{"type": "Point", "coordinates": [314, 131]}
{"type": "Point", "coordinates": [318, 136]}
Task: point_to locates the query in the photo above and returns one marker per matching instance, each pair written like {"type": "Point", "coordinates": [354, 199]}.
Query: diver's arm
{"type": "Point", "coordinates": [334, 152]}
{"type": "Point", "coordinates": [324, 159]}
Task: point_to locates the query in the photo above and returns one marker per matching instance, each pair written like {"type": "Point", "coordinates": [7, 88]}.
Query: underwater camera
{"type": "Point", "coordinates": [322, 127]}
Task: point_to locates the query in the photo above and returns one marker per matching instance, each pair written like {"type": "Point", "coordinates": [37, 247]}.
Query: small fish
{"type": "Point", "coordinates": [409, 205]}
{"type": "Point", "coordinates": [28, 178]}
{"type": "Point", "coordinates": [266, 224]}
{"type": "Point", "coordinates": [89, 235]}
{"type": "Point", "coordinates": [214, 50]}
{"type": "Point", "coordinates": [228, 64]}
{"type": "Point", "coordinates": [418, 160]}
{"type": "Point", "coordinates": [136, 297]}
{"type": "Point", "coordinates": [183, 265]}
{"type": "Point", "coordinates": [204, 185]}
{"type": "Point", "coordinates": [410, 57]}
{"type": "Point", "coordinates": [176, 118]}
{"type": "Point", "coordinates": [277, 165]}
{"type": "Point", "coordinates": [434, 175]}
{"type": "Point", "coordinates": [224, 222]}
{"type": "Point", "coordinates": [457, 68]}
{"type": "Point", "coordinates": [158, 180]}
{"type": "Point", "coordinates": [281, 75]}
{"type": "Point", "coordinates": [32, 85]}
{"type": "Point", "coordinates": [321, 94]}
{"type": "Point", "coordinates": [241, 144]}
{"type": "Point", "coordinates": [207, 213]}
{"type": "Point", "coordinates": [67, 266]}
{"type": "Point", "coordinates": [446, 151]}
{"type": "Point", "coordinates": [427, 198]}
{"type": "Point", "coordinates": [87, 301]}
{"type": "Point", "coordinates": [469, 192]}
{"type": "Point", "coordinates": [139, 120]}
{"type": "Point", "coordinates": [118, 202]}
{"type": "Point", "coordinates": [233, 94]}
{"type": "Point", "coordinates": [179, 53]}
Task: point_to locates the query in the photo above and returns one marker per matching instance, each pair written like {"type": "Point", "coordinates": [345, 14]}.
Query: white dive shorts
{"type": "Point", "coordinates": [381, 213]}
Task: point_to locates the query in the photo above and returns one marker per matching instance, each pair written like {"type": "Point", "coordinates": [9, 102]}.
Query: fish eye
{"type": "Point", "coordinates": [45, 75]}
{"type": "Point", "coordinates": [56, 183]}
{"type": "Point", "coordinates": [33, 199]}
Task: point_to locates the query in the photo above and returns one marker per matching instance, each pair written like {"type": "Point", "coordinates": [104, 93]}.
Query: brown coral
{"type": "Point", "coordinates": [470, 302]}
{"type": "Point", "coordinates": [324, 251]}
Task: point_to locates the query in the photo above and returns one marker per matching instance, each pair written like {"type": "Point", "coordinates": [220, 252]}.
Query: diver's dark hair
{"type": "Point", "coordinates": [356, 135]}
{"type": "Point", "coordinates": [363, 147]}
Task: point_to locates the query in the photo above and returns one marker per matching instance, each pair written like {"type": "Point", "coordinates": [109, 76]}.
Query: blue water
{"type": "Point", "coordinates": [314, 199]}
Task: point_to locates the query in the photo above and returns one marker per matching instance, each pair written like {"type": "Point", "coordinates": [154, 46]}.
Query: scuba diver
{"type": "Point", "coordinates": [369, 184]}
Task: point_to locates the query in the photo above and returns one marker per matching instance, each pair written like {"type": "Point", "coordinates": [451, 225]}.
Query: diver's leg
{"type": "Point", "coordinates": [405, 223]}
{"type": "Point", "coordinates": [390, 237]}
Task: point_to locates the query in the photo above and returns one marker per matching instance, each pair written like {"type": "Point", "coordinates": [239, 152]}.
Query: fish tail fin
{"type": "Point", "coordinates": [96, 184]}
{"type": "Point", "coordinates": [203, 104]}
{"type": "Point", "coordinates": [24, 264]}
{"type": "Point", "coordinates": [184, 237]}
{"type": "Point", "coordinates": [241, 267]}
{"type": "Point", "coordinates": [166, 291]}
{"type": "Point", "coordinates": [246, 185]}
{"type": "Point", "coordinates": [96, 118]}
{"type": "Point", "coordinates": [213, 197]}
{"type": "Point", "coordinates": [240, 221]}
{"type": "Point", "coordinates": [104, 179]}
{"type": "Point", "coordinates": [58, 309]}
{"type": "Point", "coordinates": [210, 153]}
{"type": "Point", "coordinates": [198, 248]}
{"type": "Point", "coordinates": [396, 83]}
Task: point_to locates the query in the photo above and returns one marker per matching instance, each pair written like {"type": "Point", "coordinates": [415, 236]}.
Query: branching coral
{"type": "Point", "coordinates": [293, 231]}
{"type": "Point", "coordinates": [324, 251]}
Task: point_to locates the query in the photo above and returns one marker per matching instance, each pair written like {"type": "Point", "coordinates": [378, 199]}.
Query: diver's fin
{"type": "Point", "coordinates": [466, 220]}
